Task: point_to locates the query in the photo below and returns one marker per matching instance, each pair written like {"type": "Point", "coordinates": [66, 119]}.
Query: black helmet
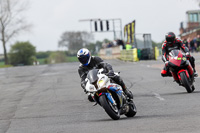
{"type": "Point", "coordinates": [84, 56]}
{"type": "Point", "coordinates": [170, 37]}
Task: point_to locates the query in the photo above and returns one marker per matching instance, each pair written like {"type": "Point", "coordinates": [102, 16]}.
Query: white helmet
{"type": "Point", "coordinates": [84, 56]}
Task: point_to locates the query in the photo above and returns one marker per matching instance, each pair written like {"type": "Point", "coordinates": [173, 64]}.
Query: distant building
{"type": "Point", "coordinates": [192, 28]}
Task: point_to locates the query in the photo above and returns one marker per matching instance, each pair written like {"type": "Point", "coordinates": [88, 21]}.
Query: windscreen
{"type": "Point", "coordinates": [174, 53]}
{"type": "Point", "coordinates": [92, 75]}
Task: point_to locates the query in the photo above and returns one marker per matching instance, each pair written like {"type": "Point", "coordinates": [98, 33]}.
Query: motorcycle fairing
{"type": "Point", "coordinates": [118, 91]}
{"type": "Point", "coordinates": [176, 60]}
{"type": "Point", "coordinates": [108, 95]}
{"type": "Point", "coordinates": [114, 88]}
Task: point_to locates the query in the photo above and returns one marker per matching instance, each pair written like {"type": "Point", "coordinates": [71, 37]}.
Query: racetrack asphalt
{"type": "Point", "coordinates": [49, 99]}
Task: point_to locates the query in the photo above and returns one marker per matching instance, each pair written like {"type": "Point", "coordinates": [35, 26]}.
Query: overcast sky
{"type": "Point", "coordinates": [50, 18]}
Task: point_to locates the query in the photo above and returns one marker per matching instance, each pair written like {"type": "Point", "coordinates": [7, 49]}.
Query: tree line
{"type": "Point", "coordinates": [13, 22]}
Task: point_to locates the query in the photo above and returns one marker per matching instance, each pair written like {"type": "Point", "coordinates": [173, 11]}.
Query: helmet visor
{"type": "Point", "coordinates": [84, 59]}
{"type": "Point", "coordinates": [170, 40]}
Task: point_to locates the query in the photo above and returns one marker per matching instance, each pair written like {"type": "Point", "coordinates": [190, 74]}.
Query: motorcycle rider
{"type": "Point", "coordinates": [170, 43]}
{"type": "Point", "coordinates": [89, 62]}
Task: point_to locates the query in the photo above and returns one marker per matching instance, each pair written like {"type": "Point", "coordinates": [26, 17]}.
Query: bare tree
{"type": "Point", "coordinates": [75, 40]}
{"type": "Point", "coordinates": [12, 21]}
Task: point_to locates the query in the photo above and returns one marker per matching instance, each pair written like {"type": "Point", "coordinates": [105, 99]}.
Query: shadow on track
{"type": "Point", "coordinates": [124, 118]}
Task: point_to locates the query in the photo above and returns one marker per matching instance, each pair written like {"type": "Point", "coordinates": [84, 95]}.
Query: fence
{"type": "Point", "coordinates": [110, 53]}
{"type": "Point", "coordinates": [129, 55]}
{"type": "Point", "coordinates": [126, 55]}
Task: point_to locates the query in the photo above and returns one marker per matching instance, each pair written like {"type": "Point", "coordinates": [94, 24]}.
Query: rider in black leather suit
{"type": "Point", "coordinates": [89, 62]}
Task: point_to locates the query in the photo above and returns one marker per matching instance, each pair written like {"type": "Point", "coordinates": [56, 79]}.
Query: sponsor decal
{"type": "Point", "coordinates": [179, 58]}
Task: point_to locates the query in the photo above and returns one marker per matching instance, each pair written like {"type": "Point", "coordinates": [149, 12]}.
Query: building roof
{"type": "Point", "coordinates": [193, 11]}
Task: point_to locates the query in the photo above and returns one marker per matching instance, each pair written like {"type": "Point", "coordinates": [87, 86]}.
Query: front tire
{"type": "Point", "coordinates": [185, 82]}
{"type": "Point", "coordinates": [110, 109]}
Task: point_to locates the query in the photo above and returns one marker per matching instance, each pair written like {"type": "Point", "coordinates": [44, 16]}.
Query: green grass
{"type": "Point", "coordinates": [72, 59]}
{"type": "Point", "coordinates": [42, 61]}
{"type": "Point", "coordinates": [2, 65]}
{"type": "Point", "coordinates": [69, 59]}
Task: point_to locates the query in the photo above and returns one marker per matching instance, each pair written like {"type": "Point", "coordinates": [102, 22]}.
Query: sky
{"type": "Point", "coordinates": [51, 18]}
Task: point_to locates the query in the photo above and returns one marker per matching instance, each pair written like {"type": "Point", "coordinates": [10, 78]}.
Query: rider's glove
{"type": "Point", "coordinates": [110, 73]}
{"type": "Point", "coordinates": [187, 54]}
{"type": "Point", "coordinates": [104, 71]}
{"type": "Point", "coordinates": [166, 63]}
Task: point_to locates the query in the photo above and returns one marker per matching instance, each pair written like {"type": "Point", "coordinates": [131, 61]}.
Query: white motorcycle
{"type": "Point", "coordinates": [109, 95]}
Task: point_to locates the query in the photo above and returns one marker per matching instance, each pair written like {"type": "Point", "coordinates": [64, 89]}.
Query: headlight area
{"type": "Point", "coordinates": [92, 88]}
{"type": "Point", "coordinates": [101, 82]}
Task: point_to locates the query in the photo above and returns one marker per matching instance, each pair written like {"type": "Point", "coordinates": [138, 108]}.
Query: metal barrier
{"type": "Point", "coordinates": [129, 55]}
{"type": "Point", "coordinates": [125, 55]}
{"type": "Point", "coordinates": [110, 53]}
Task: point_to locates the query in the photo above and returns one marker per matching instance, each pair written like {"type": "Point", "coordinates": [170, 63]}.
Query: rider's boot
{"type": "Point", "coordinates": [90, 98]}
{"type": "Point", "coordinates": [192, 60]}
{"type": "Point", "coordinates": [169, 73]}
{"type": "Point", "coordinates": [165, 72]}
{"type": "Point", "coordinates": [195, 73]}
{"type": "Point", "coordinates": [119, 81]}
{"type": "Point", "coordinates": [127, 92]}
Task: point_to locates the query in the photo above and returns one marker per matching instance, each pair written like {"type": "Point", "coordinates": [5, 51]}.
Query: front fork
{"type": "Point", "coordinates": [188, 73]}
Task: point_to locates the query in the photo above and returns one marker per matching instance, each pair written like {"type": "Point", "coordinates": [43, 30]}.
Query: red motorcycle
{"type": "Point", "coordinates": [181, 70]}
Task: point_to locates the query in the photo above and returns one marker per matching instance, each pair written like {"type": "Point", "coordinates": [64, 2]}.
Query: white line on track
{"type": "Point", "coordinates": [158, 96]}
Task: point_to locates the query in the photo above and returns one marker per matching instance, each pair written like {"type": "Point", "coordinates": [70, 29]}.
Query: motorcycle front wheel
{"type": "Point", "coordinates": [185, 82]}
{"type": "Point", "coordinates": [110, 109]}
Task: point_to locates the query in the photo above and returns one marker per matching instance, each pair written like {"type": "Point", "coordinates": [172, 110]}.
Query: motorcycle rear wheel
{"type": "Point", "coordinates": [113, 112]}
{"type": "Point", "coordinates": [193, 88]}
{"type": "Point", "coordinates": [132, 110]}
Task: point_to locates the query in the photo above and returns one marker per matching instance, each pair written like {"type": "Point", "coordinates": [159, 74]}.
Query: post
{"type": "Point", "coordinates": [114, 29]}
{"type": "Point", "coordinates": [121, 29]}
